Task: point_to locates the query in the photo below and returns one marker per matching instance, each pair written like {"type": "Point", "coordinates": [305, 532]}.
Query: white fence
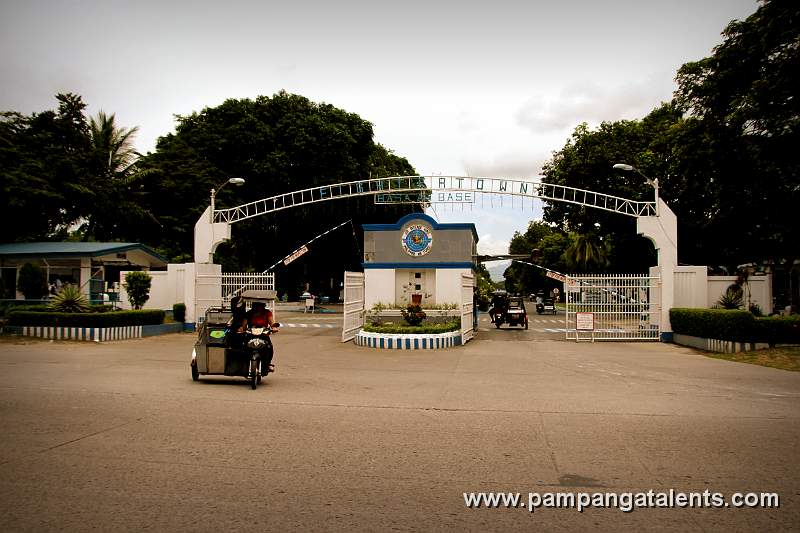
{"type": "Point", "coordinates": [467, 305]}
{"type": "Point", "coordinates": [234, 283]}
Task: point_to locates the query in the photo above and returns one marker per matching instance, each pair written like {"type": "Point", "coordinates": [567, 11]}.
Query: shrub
{"type": "Point", "coordinates": [90, 320]}
{"type": "Point", "coordinates": [69, 300]}
{"type": "Point", "coordinates": [735, 325]}
{"type": "Point", "coordinates": [732, 299]}
{"type": "Point", "coordinates": [32, 282]}
{"type": "Point", "coordinates": [179, 312]}
{"type": "Point", "coordinates": [399, 328]}
{"type": "Point", "coordinates": [7, 307]}
{"type": "Point", "coordinates": [413, 315]}
{"type": "Point", "coordinates": [722, 324]}
{"type": "Point", "coordinates": [779, 329]}
{"type": "Point", "coordinates": [137, 285]}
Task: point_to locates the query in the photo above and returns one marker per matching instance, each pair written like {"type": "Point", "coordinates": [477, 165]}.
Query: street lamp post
{"type": "Point", "coordinates": [652, 182]}
{"type": "Point", "coordinates": [233, 181]}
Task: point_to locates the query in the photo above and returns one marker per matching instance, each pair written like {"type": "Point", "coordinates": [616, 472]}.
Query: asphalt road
{"type": "Point", "coordinates": [118, 437]}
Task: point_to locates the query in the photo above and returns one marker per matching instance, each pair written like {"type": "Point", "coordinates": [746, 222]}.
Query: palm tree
{"type": "Point", "coordinates": [586, 252]}
{"type": "Point", "coordinates": [114, 209]}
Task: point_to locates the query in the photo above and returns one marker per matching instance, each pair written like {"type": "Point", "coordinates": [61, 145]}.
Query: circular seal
{"type": "Point", "coordinates": [417, 240]}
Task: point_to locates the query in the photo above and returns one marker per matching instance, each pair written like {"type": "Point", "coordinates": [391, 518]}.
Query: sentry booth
{"type": "Point", "coordinates": [417, 261]}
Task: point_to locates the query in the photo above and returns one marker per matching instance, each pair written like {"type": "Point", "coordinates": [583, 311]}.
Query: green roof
{"type": "Point", "coordinates": [74, 249]}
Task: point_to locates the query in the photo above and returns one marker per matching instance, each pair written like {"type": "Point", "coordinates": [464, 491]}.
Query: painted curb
{"type": "Point", "coordinates": [716, 345]}
{"type": "Point", "coordinates": [96, 334]}
{"type": "Point", "coordinates": [399, 341]}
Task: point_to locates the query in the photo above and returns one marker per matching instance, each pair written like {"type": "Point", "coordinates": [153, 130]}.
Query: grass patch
{"type": "Point", "coordinates": [785, 358]}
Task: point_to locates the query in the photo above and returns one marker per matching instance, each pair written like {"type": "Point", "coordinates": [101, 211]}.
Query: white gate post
{"type": "Point", "coordinates": [208, 235]}
{"type": "Point", "coordinates": [662, 230]}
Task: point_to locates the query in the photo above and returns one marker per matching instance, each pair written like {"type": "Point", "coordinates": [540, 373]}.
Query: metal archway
{"type": "Point", "coordinates": [654, 219]}
{"type": "Point", "coordinates": [434, 189]}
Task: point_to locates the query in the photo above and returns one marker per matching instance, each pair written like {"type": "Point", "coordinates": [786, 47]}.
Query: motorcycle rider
{"type": "Point", "coordinates": [260, 317]}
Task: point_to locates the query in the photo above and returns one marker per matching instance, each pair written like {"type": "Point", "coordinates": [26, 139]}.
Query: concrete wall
{"type": "Point", "coordinates": [690, 287]}
{"type": "Point", "coordinates": [379, 286]}
{"type": "Point", "coordinates": [167, 288]}
{"type": "Point", "coordinates": [757, 290]}
{"type": "Point", "coordinates": [448, 285]}
{"type": "Point", "coordinates": [694, 288]}
{"type": "Point", "coordinates": [199, 286]}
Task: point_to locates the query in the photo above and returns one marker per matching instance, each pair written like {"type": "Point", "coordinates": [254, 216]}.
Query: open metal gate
{"type": "Point", "coordinates": [353, 304]}
{"type": "Point", "coordinates": [467, 303]}
{"type": "Point", "coordinates": [613, 307]}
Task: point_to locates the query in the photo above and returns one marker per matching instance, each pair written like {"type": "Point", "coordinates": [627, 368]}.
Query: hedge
{"type": "Point", "coordinates": [88, 320]}
{"type": "Point", "coordinates": [779, 329]}
{"type": "Point", "coordinates": [401, 328]}
{"type": "Point", "coordinates": [735, 325]}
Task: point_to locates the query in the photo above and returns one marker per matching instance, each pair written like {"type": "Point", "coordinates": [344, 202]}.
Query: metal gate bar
{"type": "Point", "coordinates": [624, 306]}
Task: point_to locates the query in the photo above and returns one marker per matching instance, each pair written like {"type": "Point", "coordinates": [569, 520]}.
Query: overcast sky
{"type": "Point", "coordinates": [458, 87]}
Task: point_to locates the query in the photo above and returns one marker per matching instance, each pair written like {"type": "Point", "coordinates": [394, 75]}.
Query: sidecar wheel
{"type": "Point", "coordinates": [195, 373]}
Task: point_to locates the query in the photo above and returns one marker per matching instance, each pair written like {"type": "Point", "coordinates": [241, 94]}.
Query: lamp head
{"type": "Point", "coordinates": [623, 166]}
{"type": "Point", "coordinates": [236, 181]}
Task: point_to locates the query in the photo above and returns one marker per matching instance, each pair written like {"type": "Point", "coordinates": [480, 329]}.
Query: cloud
{"type": "Point", "coordinates": [488, 245]}
{"type": "Point", "coordinates": [592, 103]}
{"type": "Point", "coordinates": [512, 164]}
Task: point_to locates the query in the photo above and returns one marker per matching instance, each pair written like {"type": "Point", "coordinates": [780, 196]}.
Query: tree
{"type": "Point", "coordinates": [44, 164]}
{"type": "Point", "coordinates": [137, 285]}
{"type": "Point", "coordinates": [586, 253]}
{"type": "Point", "coordinates": [116, 194]}
{"type": "Point", "coordinates": [744, 97]}
{"type": "Point", "coordinates": [278, 144]}
{"type": "Point", "coordinates": [32, 282]}
{"type": "Point", "coordinates": [550, 241]}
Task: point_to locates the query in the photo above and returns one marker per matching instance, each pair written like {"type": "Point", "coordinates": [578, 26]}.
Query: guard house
{"type": "Point", "coordinates": [417, 260]}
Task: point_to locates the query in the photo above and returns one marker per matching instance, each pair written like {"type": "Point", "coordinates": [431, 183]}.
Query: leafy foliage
{"type": "Point", "coordinates": [31, 282]}
{"type": "Point", "coordinates": [179, 312]}
{"type": "Point", "coordinates": [735, 325]}
{"type": "Point", "coordinates": [403, 329]}
{"type": "Point", "coordinates": [732, 299]}
{"type": "Point", "coordinates": [413, 315]}
{"type": "Point", "coordinates": [137, 285]}
{"type": "Point", "coordinates": [278, 144]}
{"type": "Point", "coordinates": [69, 299]}
{"type": "Point", "coordinates": [89, 320]}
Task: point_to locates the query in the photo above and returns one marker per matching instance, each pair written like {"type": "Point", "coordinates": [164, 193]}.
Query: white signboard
{"type": "Point", "coordinates": [584, 321]}
{"type": "Point", "coordinates": [295, 255]}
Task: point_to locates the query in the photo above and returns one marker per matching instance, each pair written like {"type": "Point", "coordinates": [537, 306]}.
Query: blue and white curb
{"type": "Point", "coordinates": [83, 334]}
{"type": "Point", "coordinates": [716, 345]}
{"type": "Point", "coordinates": [399, 341]}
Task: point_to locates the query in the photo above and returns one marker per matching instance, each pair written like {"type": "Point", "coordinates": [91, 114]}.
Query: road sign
{"type": "Point", "coordinates": [295, 255]}
{"type": "Point", "coordinates": [584, 321]}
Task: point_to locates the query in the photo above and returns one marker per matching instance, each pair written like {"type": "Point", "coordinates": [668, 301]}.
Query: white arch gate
{"type": "Point", "coordinates": [654, 219]}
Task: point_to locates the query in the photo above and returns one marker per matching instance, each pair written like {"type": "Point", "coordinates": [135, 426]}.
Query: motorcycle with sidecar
{"type": "Point", "coordinates": [222, 350]}
{"type": "Point", "coordinates": [513, 313]}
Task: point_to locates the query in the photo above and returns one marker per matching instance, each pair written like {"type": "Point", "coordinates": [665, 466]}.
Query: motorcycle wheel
{"type": "Point", "coordinates": [195, 373]}
{"type": "Point", "coordinates": [526, 324]}
{"type": "Point", "coordinates": [253, 375]}
{"type": "Point", "coordinates": [497, 324]}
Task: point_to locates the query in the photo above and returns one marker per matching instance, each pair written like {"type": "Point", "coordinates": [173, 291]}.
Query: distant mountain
{"type": "Point", "coordinates": [496, 269]}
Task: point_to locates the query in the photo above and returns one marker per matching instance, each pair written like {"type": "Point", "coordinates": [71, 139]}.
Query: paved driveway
{"type": "Point", "coordinates": [118, 437]}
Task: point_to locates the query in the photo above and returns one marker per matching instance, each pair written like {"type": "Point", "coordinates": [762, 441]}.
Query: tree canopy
{"type": "Point", "coordinates": [724, 151]}
{"type": "Point", "coordinates": [277, 144]}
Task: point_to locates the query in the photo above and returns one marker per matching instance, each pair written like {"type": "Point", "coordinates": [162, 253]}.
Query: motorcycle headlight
{"type": "Point", "coordinates": [256, 343]}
